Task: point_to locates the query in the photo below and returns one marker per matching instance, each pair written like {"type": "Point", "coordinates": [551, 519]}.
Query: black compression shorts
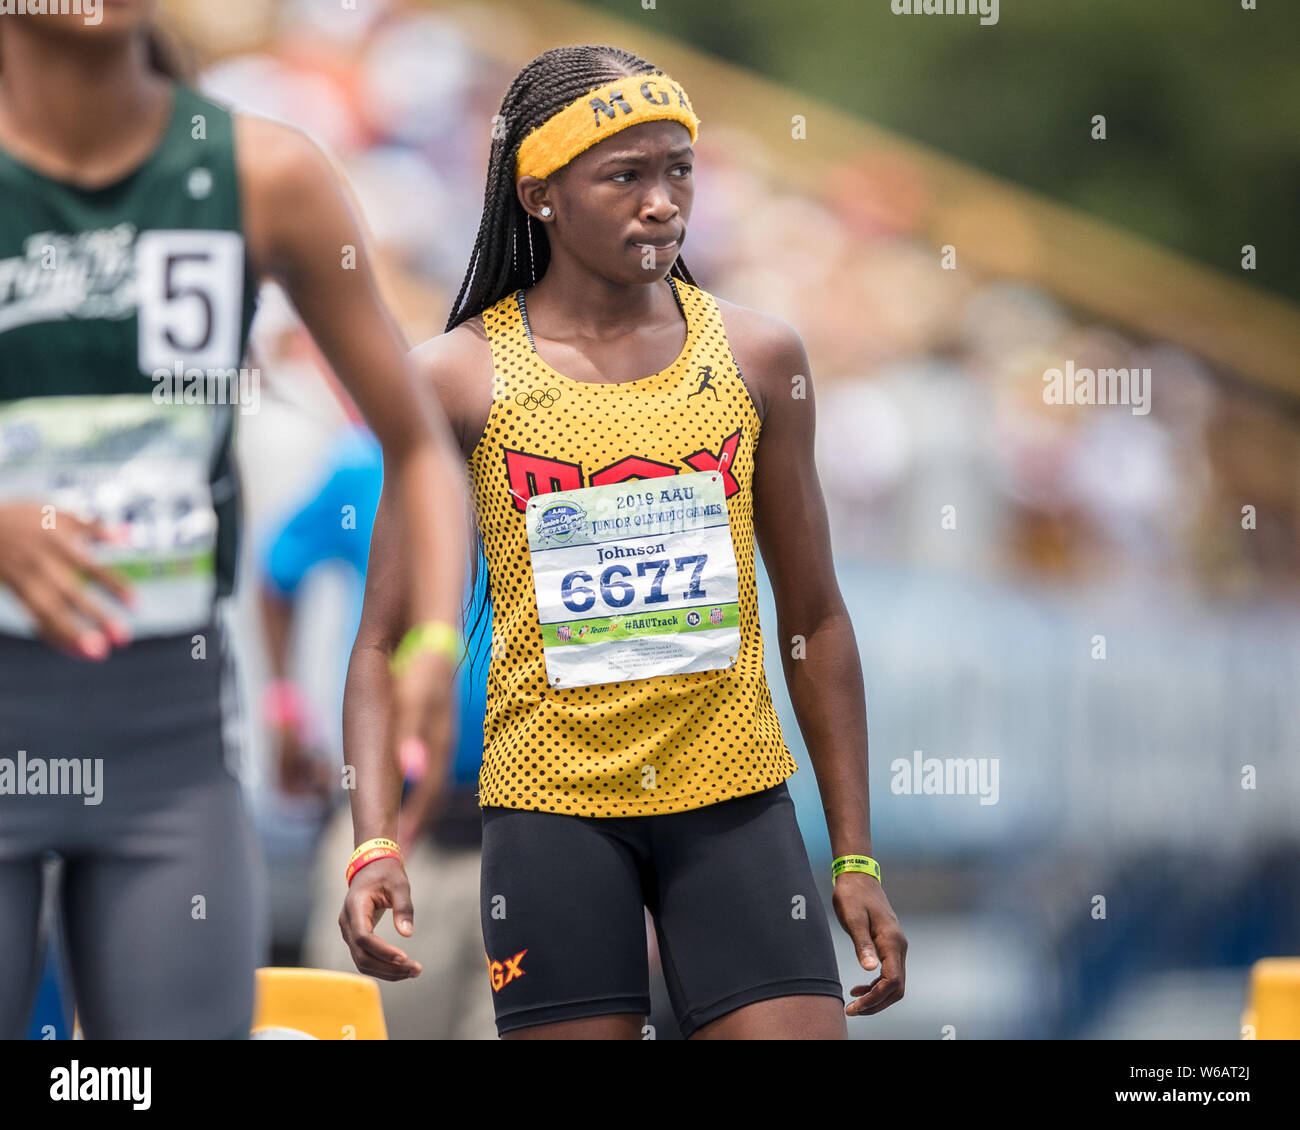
{"type": "Point", "coordinates": [736, 911]}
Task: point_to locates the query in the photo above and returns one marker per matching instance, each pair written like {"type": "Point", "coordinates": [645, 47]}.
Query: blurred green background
{"type": "Point", "coordinates": [1201, 99]}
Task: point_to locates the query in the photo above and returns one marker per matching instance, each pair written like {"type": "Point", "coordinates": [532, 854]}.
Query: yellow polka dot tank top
{"type": "Point", "coordinates": [638, 747]}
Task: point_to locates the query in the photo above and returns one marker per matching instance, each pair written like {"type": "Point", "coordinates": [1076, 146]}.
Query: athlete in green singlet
{"type": "Point", "coordinates": [136, 222]}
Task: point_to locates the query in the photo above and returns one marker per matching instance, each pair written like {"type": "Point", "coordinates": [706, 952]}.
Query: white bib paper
{"type": "Point", "coordinates": [142, 469]}
{"type": "Point", "coordinates": [635, 579]}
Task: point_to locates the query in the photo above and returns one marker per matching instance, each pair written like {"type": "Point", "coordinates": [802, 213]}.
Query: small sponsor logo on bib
{"type": "Point", "coordinates": [560, 521]}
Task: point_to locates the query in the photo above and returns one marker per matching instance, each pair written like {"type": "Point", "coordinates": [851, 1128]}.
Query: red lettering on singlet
{"type": "Point", "coordinates": [632, 467]}
{"type": "Point", "coordinates": [528, 475]}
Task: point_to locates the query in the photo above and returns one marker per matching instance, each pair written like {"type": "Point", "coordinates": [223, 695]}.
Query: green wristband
{"type": "Point", "coordinates": [863, 863]}
{"type": "Point", "coordinates": [432, 635]}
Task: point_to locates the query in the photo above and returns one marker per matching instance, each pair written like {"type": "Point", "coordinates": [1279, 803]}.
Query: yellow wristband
{"type": "Point", "coordinates": [377, 842]}
{"type": "Point", "coordinates": [863, 863]}
{"type": "Point", "coordinates": [432, 635]}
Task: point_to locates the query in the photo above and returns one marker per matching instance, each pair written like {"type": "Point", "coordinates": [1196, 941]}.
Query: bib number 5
{"type": "Point", "coordinates": [191, 286]}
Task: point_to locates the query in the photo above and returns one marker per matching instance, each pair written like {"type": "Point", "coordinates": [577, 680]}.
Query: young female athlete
{"type": "Point", "coordinates": [137, 220]}
{"type": "Point", "coordinates": [611, 415]}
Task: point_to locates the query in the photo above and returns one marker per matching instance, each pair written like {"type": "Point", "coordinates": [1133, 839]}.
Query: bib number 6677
{"type": "Point", "coordinates": [617, 591]}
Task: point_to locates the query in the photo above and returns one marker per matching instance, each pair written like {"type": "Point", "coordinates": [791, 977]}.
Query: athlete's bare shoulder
{"type": "Point", "coordinates": [293, 192]}
{"type": "Point", "coordinates": [458, 365]}
{"type": "Point", "coordinates": [768, 350]}
{"type": "Point", "coordinates": [275, 156]}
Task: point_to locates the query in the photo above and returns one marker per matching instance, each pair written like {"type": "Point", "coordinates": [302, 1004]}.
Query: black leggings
{"type": "Point", "coordinates": [162, 897]}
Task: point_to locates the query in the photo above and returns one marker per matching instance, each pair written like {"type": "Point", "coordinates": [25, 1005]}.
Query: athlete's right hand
{"type": "Point", "coordinates": [44, 568]}
{"type": "Point", "coordinates": [375, 888]}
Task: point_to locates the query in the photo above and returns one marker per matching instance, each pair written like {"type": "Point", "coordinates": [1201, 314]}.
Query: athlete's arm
{"type": "Point", "coordinates": [303, 231]}
{"type": "Point", "coordinates": [457, 366]}
{"type": "Point", "coordinates": [826, 688]}
{"type": "Point", "coordinates": [377, 782]}
{"type": "Point", "coordinates": [447, 363]}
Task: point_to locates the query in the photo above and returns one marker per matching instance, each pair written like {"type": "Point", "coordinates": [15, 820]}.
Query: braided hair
{"type": "Point", "coordinates": [509, 253]}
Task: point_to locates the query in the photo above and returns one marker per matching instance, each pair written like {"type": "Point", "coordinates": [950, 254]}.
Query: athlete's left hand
{"type": "Point", "coordinates": [864, 911]}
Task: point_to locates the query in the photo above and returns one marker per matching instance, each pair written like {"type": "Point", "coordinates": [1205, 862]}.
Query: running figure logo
{"type": "Point", "coordinates": [706, 376]}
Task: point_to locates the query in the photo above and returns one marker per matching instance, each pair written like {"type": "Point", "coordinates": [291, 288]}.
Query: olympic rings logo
{"type": "Point", "coordinates": [538, 398]}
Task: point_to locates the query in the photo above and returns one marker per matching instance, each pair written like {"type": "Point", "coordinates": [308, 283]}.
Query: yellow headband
{"type": "Point", "coordinates": [599, 114]}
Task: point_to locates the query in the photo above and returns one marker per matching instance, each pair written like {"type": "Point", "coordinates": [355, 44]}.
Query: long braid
{"type": "Point", "coordinates": [508, 254]}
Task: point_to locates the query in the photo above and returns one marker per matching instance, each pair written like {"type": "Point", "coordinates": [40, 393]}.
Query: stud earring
{"type": "Point", "coordinates": [546, 211]}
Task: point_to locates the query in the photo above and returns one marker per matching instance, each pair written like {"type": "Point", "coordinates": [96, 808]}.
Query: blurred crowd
{"type": "Point", "coordinates": [930, 381]}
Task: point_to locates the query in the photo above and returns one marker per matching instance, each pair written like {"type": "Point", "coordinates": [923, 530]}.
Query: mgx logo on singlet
{"type": "Point", "coordinates": [528, 474]}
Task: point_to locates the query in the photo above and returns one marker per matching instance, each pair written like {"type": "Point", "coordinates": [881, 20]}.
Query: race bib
{"type": "Point", "coordinates": [635, 579]}
{"type": "Point", "coordinates": [191, 290]}
{"type": "Point", "coordinates": [141, 468]}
